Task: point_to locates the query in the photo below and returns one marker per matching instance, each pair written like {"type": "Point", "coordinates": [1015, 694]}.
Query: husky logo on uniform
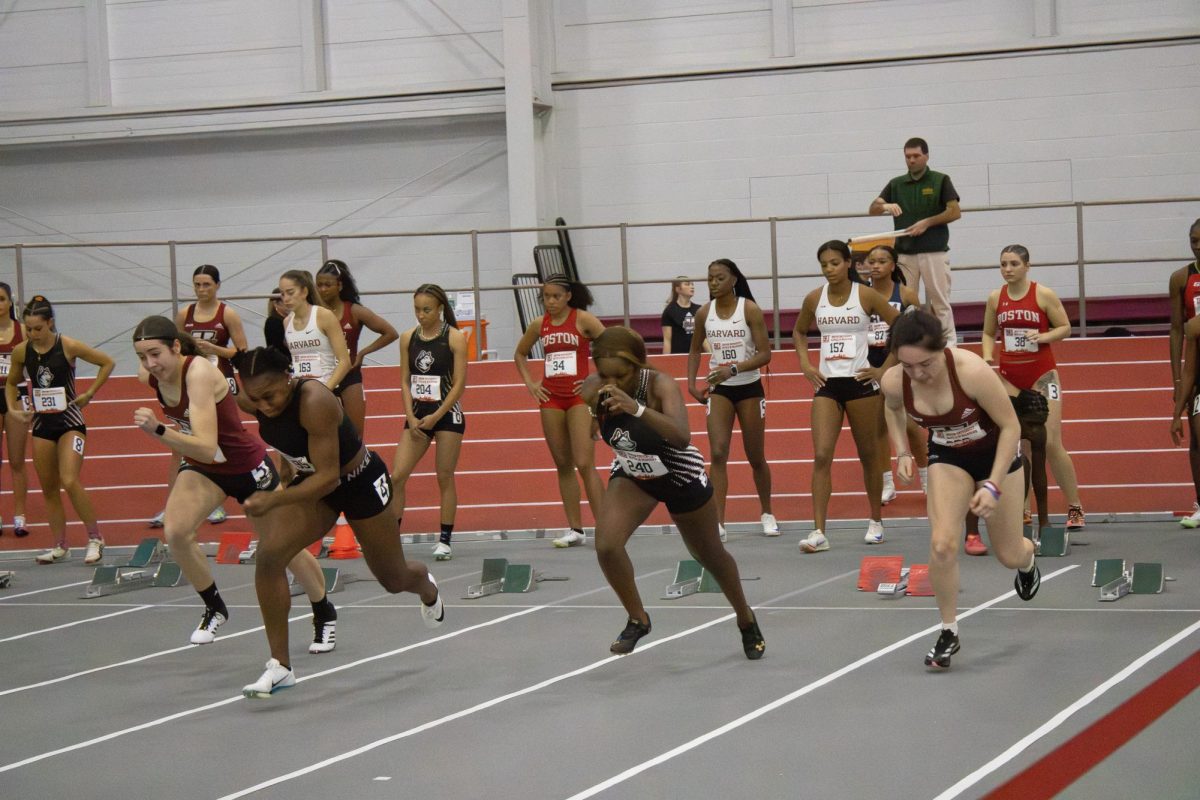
{"type": "Point", "coordinates": [45, 377]}
{"type": "Point", "coordinates": [424, 360]}
{"type": "Point", "coordinates": [621, 440]}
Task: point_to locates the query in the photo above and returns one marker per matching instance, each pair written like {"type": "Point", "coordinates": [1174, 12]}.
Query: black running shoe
{"type": "Point", "coordinates": [946, 646]}
{"type": "Point", "coordinates": [753, 642]}
{"type": "Point", "coordinates": [1028, 583]}
{"type": "Point", "coordinates": [628, 639]}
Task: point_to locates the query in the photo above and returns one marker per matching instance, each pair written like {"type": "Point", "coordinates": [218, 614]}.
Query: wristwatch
{"type": "Point", "coordinates": [732, 370]}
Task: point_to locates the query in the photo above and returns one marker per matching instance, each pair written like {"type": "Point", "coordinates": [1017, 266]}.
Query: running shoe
{"type": "Point", "coordinates": [157, 520]}
{"type": "Point", "coordinates": [433, 615]}
{"type": "Point", "coordinates": [53, 555]}
{"type": "Point", "coordinates": [571, 538]}
{"type": "Point", "coordinates": [1075, 520]}
{"type": "Point", "coordinates": [217, 516]}
{"type": "Point", "coordinates": [1192, 521]}
{"type": "Point", "coordinates": [721, 532]}
{"type": "Point", "coordinates": [95, 551]}
{"type": "Point", "coordinates": [276, 677]}
{"type": "Point", "coordinates": [206, 631]}
{"type": "Point", "coordinates": [324, 636]}
{"type": "Point", "coordinates": [946, 646]}
{"type": "Point", "coordinates": [975, 545]}
{"type": "Point", "coordinates": [19, 530]}
{"type": "Point", "coordinates": [874, 533]}
{"type": "Point", "coordinates": [889, 488]}
{"type": "Point", "coordinates": [441, 552]}
{"type": "Point", "coordinates": [770, 525]}
{"type": "Point", "coordinates": [1028, 583]}
{"type": "Point", "coordinates": [628, 639]}
{"type": "Point", "coordinates": [753, 642]}
{"type": "Point", "coordinates": [815, 542]}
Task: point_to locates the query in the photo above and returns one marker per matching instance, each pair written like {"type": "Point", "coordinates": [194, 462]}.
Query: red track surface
{"type": "Point", "coordinates": [1117, 406]}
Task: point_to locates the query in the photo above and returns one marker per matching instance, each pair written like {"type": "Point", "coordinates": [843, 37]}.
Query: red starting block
{"type": "Point", "coordinates": [232, 545]}
{"type": "Point", "coordinates": [875, 571]}
{"type": "Point", "coordinates": [918, 581]}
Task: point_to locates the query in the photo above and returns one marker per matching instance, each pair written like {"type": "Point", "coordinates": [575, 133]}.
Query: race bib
{"type": "Point", "coordinates": [957, 435]}
{"type": "Point", "coordinates": [51, 400]}
{"type": "Point", "coordinates": [426, 388]}
{"type": "Point", "coordinates": [562, 364]}
{"type": "Point", "coordinates": [725, 353]}
{"type": "Point", "coordinates": [1016, 340]}
{"type": "Point", "coordinates": [641, 466]}
{"type": "Point", "coordinates": [306, 365]}
{"type": "Point", "coordinates": [878, 334]}
{"type": "Point", "coordinates": [5, 363]}
{"type": "Point", "coordinates": [838, 347]}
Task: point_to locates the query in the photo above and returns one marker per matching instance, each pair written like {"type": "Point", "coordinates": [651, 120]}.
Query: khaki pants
{"type": "Point", "coordinates": [932, 269]}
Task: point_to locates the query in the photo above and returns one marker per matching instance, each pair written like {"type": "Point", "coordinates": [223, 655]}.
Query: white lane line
{"type": "Point", "coordinates": [73, 624]}
{"type": "Point", "coordinates": [40, 591]}
{"type": "Point", "coordinates": [1062, 716]}
{"type": "Point", "coordinates": [788, 698]}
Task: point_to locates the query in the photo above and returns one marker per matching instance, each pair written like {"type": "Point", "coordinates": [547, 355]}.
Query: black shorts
{"type": "Point", "coordinates": [49, 426]}
{"type": "Point", "coordinates": [877, 355]}
{"type": "Point", "coordinates": [454, 420]}
{"type": "Point", "coordinates": [976, 463]}
{"type": "Point", "coordinates": [678, 499]}
{"type": "Point", "coordinates": [353, 378]}
{"type": "Point", "coordinates": [362, 493]}
{"type": "Point", "coordinates": [844, 390]}
{"type": "Point", "coordinates": [240, 485]}
{"type": "Point", "coordinates": [736, 394]}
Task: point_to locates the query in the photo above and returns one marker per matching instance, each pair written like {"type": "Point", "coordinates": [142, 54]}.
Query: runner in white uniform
{"type": "Point", "coordinates": [314, 334]}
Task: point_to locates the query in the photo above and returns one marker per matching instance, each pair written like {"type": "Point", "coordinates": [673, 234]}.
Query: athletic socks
{"type": "Point", "coordinates": [952, 627]}
{"type": "Point", "coordinates": [447, 531]}
{"type": "Point", "coordinates": [323, 610]}
{"type": "Point", "coordinates": [212, 599]}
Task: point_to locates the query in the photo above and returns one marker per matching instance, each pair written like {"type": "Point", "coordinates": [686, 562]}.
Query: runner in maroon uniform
{"type": "Point", "coordinates": [339, 293]}
{"type": "Point", "coordinates": [220, 459]}
{"type": "Point", "coordinates": [12, 333]}
{"type": "Point", "coordinates": [1184, 292]}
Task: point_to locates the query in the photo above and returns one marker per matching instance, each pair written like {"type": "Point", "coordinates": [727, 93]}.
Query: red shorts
{"type": "Point", "coordinates": [1025, 375]}
{"type": "Point", "coordinates": [562, 402]}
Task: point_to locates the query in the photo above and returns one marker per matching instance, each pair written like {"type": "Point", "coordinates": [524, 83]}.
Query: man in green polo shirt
{"type": "Point", "coordinates": [923, 203]}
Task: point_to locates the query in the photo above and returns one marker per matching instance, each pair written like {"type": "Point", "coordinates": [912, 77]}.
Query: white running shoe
{"type": "Point", "coordinates": [441, 552]}
{"type": "Point", "coordinates": [815, 542]}
{"type": "Point", "coordinates": [1192, 521]}
{"type": "Point", "coordinates": [275, 678]}
{"type": "Point", "coordinates": [770, 525]}
{"type": "Point", "coordinates": [889, 488]}
{"type": "Point", "coordinates": [324, 636]}
{"type": "Point", "coordinates": [206, 631]}
{"type": "Point", "coordinates": [95, 551]}
{"type": "Point", "coordinates": [571, 538]}
{"type": "Point", "coordinates": [724, 534]}
{"type": "Point", "coordinates": [157, 520]}
{"type": "Point", "coordinates": [874, 532]}
{"type": "Point", "coordinates": [53, 555]}
{"type": "Point", "coordinates": [217, 516]}
{"type": "Point", "coordinates": [434, 615]}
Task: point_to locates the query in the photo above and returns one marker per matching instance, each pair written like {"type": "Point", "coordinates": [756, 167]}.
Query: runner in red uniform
{"type": "Point", "coordinates": [1184, 291]}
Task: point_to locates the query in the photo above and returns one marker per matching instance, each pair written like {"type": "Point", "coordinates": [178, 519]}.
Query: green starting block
{"type": "Point", "coordinates": [334, 581]}
{"type": "Point", "coordinates": [500, 577]}
{"type": "Point", "coordinates": [1143, 578]}
{"type": "Point", "coordinates": [135, 573]}
{"type": "Point", "coordinates": [1053, 542]}
{"type": "Point", "coordinates": [690, 578]}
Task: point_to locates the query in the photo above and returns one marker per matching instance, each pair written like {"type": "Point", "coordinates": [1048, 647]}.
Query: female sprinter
{"type": "Point", "coordinates": [679, 317]}
{"type": "Point", "coordinates": [887, 279]}
{"type": "Point", "coordinates": [734, 328]}
{"type": "Point", "coordinates": [335, 474]}
{"type": "Point", "coordinates": [846, 386]}
{"type": "Point", "coordinates": [339, 293]}
{"type": "Point", "coordinates": [47, 358]}
{"type": "Point", "coordinates": [314, 334]}
{"type": "Point", "coordinates": [565, 331]}
{"type": "Point", "coordinates": [1186, 390]}
{"type": "Point", "coordinates": [973, 459]}
{"type": "Point", "coordinates": [12, 333]}
{"type": "Point", "coordinates": [433, 369]}
{"type": "Point", "coordinates": [219, 334]}
{"type": "Point", "coordinates": [1029, 317]}
{"type": "Point", "coordinates": [220, 459]}
{"type": "Point", "coordinates": [643, 418]}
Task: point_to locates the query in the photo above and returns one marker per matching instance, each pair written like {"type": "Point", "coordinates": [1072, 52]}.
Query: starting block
{"type": "Point", "coordinates": [6, 579]}
{"type": "Point", "coordinates": [334, 581]}
{"type": "Point", "coordinates": [691, 578]}
{"type": "Point", "coordinates": [918, 581]}
{"type": "Point", "coordinates": [1053, 542]}
{"type": "Point", "coordinates": [233, 545]}
{"type": "Point", "coordinates": [882, 574]}
{"type": "Point", "coordinates": [1143, 578]}
{"type": "Point", "coordinates": [500, 577]}
{"type": "Point", "coordinates": [134, 573]}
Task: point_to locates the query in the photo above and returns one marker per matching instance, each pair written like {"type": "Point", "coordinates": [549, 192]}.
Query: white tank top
{"type": "Point", "coordinates": [844, 334]}
{"type": "Point", "coordinates": [731, 342]}
{"type": "Point", "coordinates": [312, 352]}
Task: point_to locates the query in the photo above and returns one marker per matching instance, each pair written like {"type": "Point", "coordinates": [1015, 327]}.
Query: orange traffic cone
{"type": "Point", "coordinates": [344, 543]}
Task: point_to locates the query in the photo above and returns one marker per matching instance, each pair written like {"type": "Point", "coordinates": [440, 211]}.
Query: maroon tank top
{"type": "Point", "coordinates": [965, 427]}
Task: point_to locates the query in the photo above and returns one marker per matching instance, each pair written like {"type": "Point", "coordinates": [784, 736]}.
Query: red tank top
{"type": "Point", "coordinates": [351, 328]}
{"type": "Point", "coordinates": [1191, 292]}
{"type": "Point", "coordinates": [1016, 317]}
{"type": "Point", "coordinates": [965, 427]}
{"type": "Point", "coordinates": [243, 450]}
{"type": "Point", "coordinates": [213, 331]}
{"type": "Point", "coordinates": [567, 353]}
{"type": "Point", "coordinates": [6, 352]}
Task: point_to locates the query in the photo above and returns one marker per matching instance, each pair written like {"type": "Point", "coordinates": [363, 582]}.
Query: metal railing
{"type": "Point", "coordinates": [1080, 262]}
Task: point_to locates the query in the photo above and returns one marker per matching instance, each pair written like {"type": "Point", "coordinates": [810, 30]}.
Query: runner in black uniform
{"type": "Point", "coordinates": [15, 431]}
{"type": "Point", "coordinates": [59, 434]}
{"type": "Point", "coordinates": [643, 418]}
{"type": "Point", "coordinates": [433, 372]}
{"type": "Point", "coordinates": [335, 473]}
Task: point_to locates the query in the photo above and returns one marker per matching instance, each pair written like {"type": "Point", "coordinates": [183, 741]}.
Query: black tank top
{"type": "Point", "coordinates": [288, 436]}
{"type": "Point", "coordinates": [49, 372]}
{"type": "Point", "coordinates": [429, 360]}
{"type": "Point", "coordinates": [641, 452]}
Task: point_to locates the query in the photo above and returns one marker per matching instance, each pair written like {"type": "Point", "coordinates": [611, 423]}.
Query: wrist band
{"type": "Point", "coordinates": [160, 430]}
{"type": "Point", "coordinates": [904, 455]}
{"type": "Point", "coordinates": [641, 409]}
{"type": "Point", "coordinates": [991, 487]}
